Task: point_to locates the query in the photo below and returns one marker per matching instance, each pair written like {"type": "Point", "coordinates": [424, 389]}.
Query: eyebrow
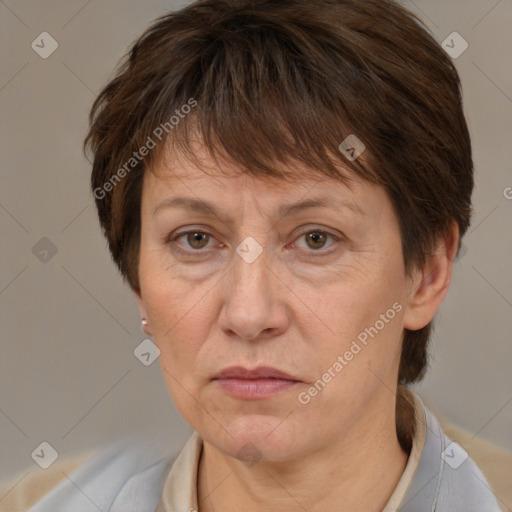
{"type": "Point", "coordinates": [208, 208]}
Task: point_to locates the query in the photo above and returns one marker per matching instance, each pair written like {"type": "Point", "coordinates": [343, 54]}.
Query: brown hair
{"type": "Point", "coordinates": [271, 82]}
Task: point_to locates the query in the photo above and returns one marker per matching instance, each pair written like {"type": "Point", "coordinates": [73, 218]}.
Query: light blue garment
{"type": "Point", "coordinates": [440, 484]}
{"type": "Point", "coordinates": [126, 477]}
{"type": "Point", "coordinates": [130, 478]}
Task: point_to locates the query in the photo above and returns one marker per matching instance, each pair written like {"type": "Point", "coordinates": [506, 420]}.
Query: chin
{"type": "Point", "coordinates": [252, 437]}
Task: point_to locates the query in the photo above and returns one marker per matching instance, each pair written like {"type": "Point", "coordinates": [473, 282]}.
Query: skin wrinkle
{"type": "Point", "coordinates": [290, 312]}
{"type": "Point", "coordinates": [334, 72]}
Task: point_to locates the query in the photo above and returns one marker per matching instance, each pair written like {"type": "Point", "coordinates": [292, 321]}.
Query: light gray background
{"type": "Point", "coordinates": [69, 326]}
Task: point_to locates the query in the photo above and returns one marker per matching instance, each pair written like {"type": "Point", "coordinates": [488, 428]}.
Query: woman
{"type": "Point", "coordinates": [284, 186]}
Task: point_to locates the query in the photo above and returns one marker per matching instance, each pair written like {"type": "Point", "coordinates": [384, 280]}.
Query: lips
{"type": "Point", "coordinates": [261, 383]}
{"type": "Point", "coordinates": [262, 372]}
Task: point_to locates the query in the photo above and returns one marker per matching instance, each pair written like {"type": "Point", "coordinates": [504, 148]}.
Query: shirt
{"type": "Point", "coordinates": [438, 477]}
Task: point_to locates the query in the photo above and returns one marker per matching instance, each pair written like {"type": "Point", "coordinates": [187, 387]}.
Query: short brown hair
{"type": "Point", "coordinates": [278, 81]}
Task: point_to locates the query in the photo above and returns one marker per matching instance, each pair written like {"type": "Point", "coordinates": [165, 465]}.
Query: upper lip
{"type": "Point", "coordinates": [262, 372]}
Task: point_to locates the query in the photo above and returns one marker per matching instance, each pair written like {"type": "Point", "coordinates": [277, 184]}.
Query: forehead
{"type": "Point", "coordinates": [175, 171]}
{"type": "Point", "coordinates": [223, 189]}
{"type": "Point", "coordinates": [193, 160]}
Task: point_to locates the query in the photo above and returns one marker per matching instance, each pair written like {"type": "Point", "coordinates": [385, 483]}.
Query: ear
{"type": "Point", "coordinates": [143, 315]}
{"type": "Point", "coordinates": [430, 284]}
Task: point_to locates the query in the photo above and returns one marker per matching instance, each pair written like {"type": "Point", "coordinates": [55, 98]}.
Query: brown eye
{"type": "Point", "coordinates": [197, 239]}
{"type": "Point", "coordinates": [316, 239]}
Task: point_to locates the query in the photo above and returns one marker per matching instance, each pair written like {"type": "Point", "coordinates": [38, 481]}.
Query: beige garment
{"type": "Point", "coordinates": [31, 485]}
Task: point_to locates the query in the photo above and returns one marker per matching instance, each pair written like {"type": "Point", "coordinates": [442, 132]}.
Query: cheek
{"type": "Point", "coordinates": [178, 316]}
{"type": "Point", "coordinates": [179, 326]}
{"type": "Point", "coordinates": [346, 307]}
{"type": "Point", "coordinates": [361, 321]}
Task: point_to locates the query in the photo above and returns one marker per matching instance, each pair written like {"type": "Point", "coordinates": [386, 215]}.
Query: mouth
{"type": "Point", "coordinates": [260, 383]}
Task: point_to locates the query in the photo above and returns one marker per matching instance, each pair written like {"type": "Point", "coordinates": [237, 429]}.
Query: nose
{"type": "Point", "coordinates": [253, 306]}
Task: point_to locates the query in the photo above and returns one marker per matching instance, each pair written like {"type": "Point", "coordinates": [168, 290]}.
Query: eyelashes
{"type": "Point", "coordinates": [198, 242]}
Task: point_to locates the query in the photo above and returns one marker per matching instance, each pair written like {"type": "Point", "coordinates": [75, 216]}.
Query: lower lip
{"type": "Point", "coordinates": [253, 389]}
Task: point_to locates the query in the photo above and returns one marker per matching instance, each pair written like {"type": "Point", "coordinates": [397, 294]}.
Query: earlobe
{"type": "Point", "coordinates": [432, 282]}
{"type": "Point", "coordinates": [145, 326]}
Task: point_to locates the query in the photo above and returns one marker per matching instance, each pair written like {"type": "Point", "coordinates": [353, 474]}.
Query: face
{"type": "Point", "coordinates": [317, 291]}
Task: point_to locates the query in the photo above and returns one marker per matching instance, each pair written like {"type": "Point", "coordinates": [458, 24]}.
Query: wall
{"type": "Point", "coordinates": [69, 326]}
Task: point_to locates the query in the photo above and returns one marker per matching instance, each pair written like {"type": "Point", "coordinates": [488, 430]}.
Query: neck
{"type": "Point", "coordinates": [358, 474]}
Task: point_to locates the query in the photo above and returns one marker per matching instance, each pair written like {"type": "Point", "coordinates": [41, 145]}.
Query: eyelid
{"type": "Point", "coordinates": [171, 240]}
{"type": "Point", "coordinates": [172, 237]}
{"type": "Point", "coordinates": [322, 251]}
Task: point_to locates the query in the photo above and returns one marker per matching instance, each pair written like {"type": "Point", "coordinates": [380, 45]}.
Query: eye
{"type": "Point", "coordinates": [195, 239]}
{"type": "Point", "coordinates": [316, 239]}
